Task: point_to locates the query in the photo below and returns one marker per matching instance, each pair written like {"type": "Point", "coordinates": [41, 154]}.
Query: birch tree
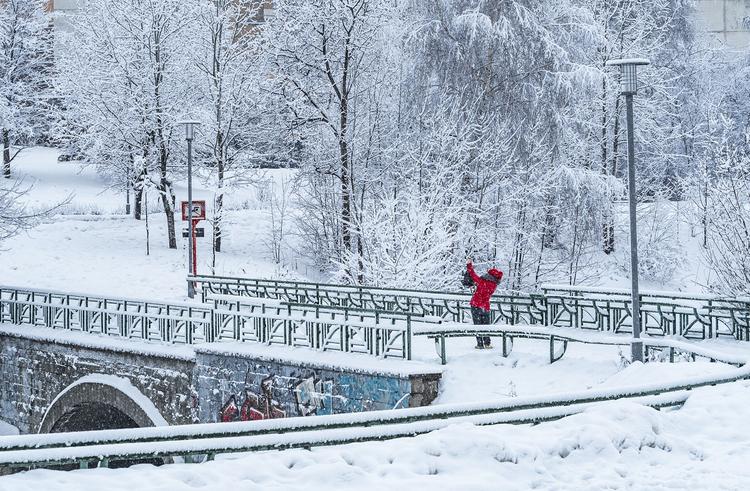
{"type": "Point", "coordinates": [230, 73]}
{"type": "Point", "coordinates": [128, 85]}
{"type": "Point", "coordinates": [329, 60]}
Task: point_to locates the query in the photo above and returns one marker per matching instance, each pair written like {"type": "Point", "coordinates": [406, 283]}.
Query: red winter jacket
{"type": "Point", "coordinates": [485, 287]}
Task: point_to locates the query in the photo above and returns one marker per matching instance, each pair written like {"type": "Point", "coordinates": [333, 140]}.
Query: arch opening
{"type": "Point", "coordinates": [92, 416]}
{"type": "Point", "coordinates": [101, 402]}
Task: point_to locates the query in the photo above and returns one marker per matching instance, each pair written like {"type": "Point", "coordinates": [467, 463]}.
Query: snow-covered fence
{"type": "Point", "coordinates": [325, 327]}
{"type": "Point", "coordinates": [374, 333]}
{"type": "Point", "coordinates": [127, 318]}
{"type": "Point", "coordinates": [609, 310]}
{"type": "Point", "coordinates": [662, 313]}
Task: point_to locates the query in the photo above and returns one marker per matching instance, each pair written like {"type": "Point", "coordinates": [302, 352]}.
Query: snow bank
{"type": "Point", "coordinates": [617, 445]}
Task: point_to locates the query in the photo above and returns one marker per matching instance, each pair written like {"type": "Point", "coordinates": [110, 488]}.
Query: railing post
{"type": "Point", "coordinates": [408, 337]}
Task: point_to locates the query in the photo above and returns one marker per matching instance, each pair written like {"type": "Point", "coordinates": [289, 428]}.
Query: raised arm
{"type": "Point", "coordinates": [472, 273]}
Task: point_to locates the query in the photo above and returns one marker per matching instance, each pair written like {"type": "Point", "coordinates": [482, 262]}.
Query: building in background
{"type": "Point", "coordinates": [728, 19]}
{"type": "Point", "coordinates": [63, 9]}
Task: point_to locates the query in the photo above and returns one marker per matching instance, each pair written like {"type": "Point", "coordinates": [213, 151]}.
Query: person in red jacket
{"type": "Point", "coordinates": [480, 302]}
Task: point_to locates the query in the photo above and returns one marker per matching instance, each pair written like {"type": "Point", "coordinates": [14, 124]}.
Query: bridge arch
{"type": "Point", "coordinates": [100, 402]}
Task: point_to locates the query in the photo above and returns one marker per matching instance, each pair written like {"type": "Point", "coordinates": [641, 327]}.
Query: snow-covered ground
{"type": "Point", "coordinates": [93, 247]}
{"type": "Point", "coordinates": [704, 445]}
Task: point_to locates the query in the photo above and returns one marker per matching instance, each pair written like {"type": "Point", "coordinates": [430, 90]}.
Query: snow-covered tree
{"type": "Point", "coordinates": [126, 84]}
{"type": "Point", "coordinates": [25, 71]}
{"type": "Point", "coordinates": [15, 214]}
{"type": "Point", "coordinates": [727, 214]}
{"type": "Point", "coordinates": [228, 61]}
{"type": "Point", "coordinates": [331, 66]}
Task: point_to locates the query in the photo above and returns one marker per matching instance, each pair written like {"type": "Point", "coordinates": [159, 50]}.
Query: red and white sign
{"type": "Point", "coordinates": [199, 210]}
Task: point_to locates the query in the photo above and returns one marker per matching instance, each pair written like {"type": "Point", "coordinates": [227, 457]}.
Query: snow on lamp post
{"type": "Point", "coordinates": [628, 88]}
{"type": "Point", "coordinates": [189, 135]}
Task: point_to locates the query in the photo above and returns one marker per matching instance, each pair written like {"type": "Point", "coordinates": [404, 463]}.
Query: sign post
{"type": "Point", "coordinates": [189, 135]}
{"type": "Point", "coordinates": [193, 214]}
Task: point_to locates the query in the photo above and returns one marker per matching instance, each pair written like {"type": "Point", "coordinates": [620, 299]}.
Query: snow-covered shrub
{"type": "Point", "coordinates": [660, 252]}
{"type": "Point", "coordinates": [723, 200]}
{"type": "Point", "coordinates": [728, 251]}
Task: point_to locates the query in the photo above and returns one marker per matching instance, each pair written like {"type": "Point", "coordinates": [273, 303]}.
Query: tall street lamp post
{"type": "Point", "coordinates": [628, 88]}
{"type": "Point", "coordinates": [189, 135]}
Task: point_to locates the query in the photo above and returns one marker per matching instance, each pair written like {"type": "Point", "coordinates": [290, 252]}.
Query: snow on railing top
{"type": "Point", "coordinates": [643, 293]}
{"type": "Point", "coordinates": [197, 306]}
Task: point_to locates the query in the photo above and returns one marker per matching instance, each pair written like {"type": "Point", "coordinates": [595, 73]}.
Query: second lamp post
{"type": "Point", "coordinates": [628, 88]}
{"type": "Point", "coordinates": [189, 135]}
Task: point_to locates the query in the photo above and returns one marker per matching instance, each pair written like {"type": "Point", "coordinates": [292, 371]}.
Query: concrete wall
{"type": "Point", "coordinates": [44, 381]}
{"type": "Point", "coordinates": [728, 19]}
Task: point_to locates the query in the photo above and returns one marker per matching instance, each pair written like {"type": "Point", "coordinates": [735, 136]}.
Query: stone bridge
{"type": "Point", "coordinates": [57, 381]}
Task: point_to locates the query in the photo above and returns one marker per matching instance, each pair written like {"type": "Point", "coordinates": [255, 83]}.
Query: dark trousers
{"type": "Point", "coordinates": [481, 317]}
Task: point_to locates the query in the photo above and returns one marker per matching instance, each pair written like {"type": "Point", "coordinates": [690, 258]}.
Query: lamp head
{"type": "Point", "coordinates": [628, 73]}
{"type": "Point", "coordinates": [189, 128]}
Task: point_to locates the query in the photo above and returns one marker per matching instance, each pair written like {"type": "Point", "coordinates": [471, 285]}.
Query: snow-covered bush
{"type": "Point", "coordinates": [660, 251]}
{"type": "Point", "coordinates": [728, 251]}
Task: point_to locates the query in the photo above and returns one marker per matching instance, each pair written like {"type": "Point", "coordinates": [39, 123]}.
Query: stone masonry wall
{"type": "Point", "coordinates": [236, 387]}
{"type": "Point", "coordinates": [205, 385]}
{"type": "Point", "coordinates": [33, 373]}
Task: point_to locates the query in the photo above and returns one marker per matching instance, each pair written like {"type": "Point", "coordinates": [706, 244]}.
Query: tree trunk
{"type": "Point", "coordinates": [6, 153]}
{"type": "Point", "coordinates": [608, 229]}
{"type": "Point", "coordinates": [346, 198]}
{"type": "Point", "coordinates": [167, 197]}
{"type": "Point", "coordinates": [137, 205]}
{"type": "Point", "coordinates": [217, 221]}
{"type": "Point", "coordinates": [219, 204]}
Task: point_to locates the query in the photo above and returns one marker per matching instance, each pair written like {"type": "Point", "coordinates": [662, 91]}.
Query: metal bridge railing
{"type": "Point", "coordinates": [690, 316]}
{"type": "Point", "coordinates": [127, 318]}
{"type": "Point", "coordinates": [373, 333]}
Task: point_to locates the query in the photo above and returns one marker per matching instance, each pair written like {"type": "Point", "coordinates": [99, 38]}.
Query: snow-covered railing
{"type": "Point", "coordinates": [662, 313]}
{"type": "Point", "coordinates": [377, 334]}
{"type": "Point", "coordinates": [102, 447]}
{"type": "Point", "coordinates": [559, 337]}
{"type": "Point", "coordinates": [127, 318]}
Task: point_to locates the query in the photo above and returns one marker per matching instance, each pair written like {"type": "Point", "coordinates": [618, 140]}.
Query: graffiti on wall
{"type": "Point", "coordinates": [305, 396]}
{"type": "Point", "coordinates": [255, 405]}
{"type": "Point", "coordinates": [310, 396]}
